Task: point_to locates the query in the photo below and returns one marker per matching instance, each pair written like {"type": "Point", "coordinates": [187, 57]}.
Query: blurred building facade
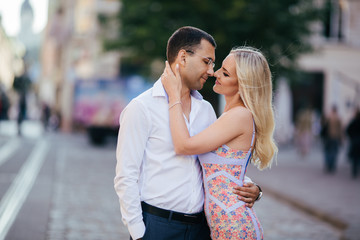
{"type": "Point", "coordinates": [11, 66]}
{"type": "Point", "coordinates": [27, 82]}
{"type": "Point", "coordinates": [11, 63]}
{"type": "Point", "coordinates": [26, 36]}
{"type": "Point", "coordinates": [330, 73]}
{"type": "Point", "coordinates": [337, 56]}
{"type": "Point", "coordinates": [72, 50]}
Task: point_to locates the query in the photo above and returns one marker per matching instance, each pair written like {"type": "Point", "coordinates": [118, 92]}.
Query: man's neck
{"type": "Point", "coordinates": [186, 101]}
{"type": "Point", "coordinates": [185, 93]}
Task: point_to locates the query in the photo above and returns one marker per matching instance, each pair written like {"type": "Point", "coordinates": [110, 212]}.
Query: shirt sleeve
{"type": "Point", "coordinates": [248, 180]}
{"type": "Point", "coordinates": [132, 138]}
{"type": "Point", "coordinates": [211, 113]}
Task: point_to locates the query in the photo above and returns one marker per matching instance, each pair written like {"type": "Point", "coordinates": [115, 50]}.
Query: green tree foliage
{"type": "Point", "coordinates": [279, 28]}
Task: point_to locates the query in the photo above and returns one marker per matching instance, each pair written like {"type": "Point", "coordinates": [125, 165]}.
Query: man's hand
{"type": "Point", "coordinates": [247, 193]}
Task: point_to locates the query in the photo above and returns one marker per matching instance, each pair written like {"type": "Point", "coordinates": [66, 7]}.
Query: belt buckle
{"type": "Point", "coordinates": [192, 216]}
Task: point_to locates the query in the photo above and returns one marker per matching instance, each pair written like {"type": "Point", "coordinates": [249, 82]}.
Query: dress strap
{"type": "Point", "coordinates": [252, 144]}
{"type": "Point", "coordinates": [253, 136]}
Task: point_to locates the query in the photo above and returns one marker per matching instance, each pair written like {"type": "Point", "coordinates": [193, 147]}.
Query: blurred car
{"type": "Point", "coordinates": [98, 104]}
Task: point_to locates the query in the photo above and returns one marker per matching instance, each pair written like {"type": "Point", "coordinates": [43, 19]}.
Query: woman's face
{"type": "Point", "coordinates": [226, 79]}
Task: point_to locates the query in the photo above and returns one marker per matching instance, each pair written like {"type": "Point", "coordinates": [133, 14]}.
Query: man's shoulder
{"type": "Point", "coordinates": [143, 97]}
{"type": "Point", "coordinates": [206, 104]}
{"type": "Point", "coordinates": [203, 101]}
{"type": "Point", "coordinates": [140, 101]}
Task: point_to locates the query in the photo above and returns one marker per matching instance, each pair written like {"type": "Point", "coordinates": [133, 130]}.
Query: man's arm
{"type": "Point", "coordinates": [132, 138]}
{"type": "Point", "coordinates": [248, 193]}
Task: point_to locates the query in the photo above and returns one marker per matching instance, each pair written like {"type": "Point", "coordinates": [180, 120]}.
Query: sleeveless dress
{"type": "Point", "coordinates": [227, 216]}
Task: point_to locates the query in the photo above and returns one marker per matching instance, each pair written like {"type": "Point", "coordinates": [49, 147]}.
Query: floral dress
{"type": "Point", "coordinates": [227, 216]}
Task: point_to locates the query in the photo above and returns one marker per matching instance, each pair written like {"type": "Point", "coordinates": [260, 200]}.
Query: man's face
{"type": "Point", "coordinates": [197, 68]}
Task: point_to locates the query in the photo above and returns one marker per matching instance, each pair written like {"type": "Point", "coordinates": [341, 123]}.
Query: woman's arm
{"type": "Point", "coordinates": [223, 130]}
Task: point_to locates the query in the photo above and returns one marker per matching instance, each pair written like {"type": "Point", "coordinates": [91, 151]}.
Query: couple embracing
{"type": "Point", "coordinates": [180, 172]}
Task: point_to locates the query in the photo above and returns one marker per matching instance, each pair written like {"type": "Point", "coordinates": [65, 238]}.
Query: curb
{"type": "Point", "coordinates": [325, 217]}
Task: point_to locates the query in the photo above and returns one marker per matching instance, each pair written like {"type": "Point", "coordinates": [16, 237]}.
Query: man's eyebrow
{"type": "Point", "coordinates": [208, 58]}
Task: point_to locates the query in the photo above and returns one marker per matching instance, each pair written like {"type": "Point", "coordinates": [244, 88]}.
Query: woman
{"type": "Point", "coordinates": [244, 131]}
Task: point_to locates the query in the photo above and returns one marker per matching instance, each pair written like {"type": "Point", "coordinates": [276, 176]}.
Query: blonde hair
{"type": "Point", "coordinates": [255, 89]}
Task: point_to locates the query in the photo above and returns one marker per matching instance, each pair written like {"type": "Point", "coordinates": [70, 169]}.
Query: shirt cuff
{"type": "Point", "coordinates": [137, 230]}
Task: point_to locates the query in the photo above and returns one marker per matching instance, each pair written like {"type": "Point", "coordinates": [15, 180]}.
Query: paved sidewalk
{"type": "Point", "coordinates": [302, 183]}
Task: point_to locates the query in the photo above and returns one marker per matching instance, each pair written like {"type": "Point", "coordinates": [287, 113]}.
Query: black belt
{"type": "Point", "coordinates": [171, 215]}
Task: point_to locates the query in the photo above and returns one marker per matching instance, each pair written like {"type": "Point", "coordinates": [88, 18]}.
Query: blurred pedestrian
{"type": "Point", "coordinates": [22, 112]}
{"type": "Point", "coordinates": [161, 193]}
{"type": "Point", "coordinates": [332, 135]}
{"type": "Point", "coordinates": [304, 128]}
{"type": "Point", "coordinates": [353, 131]}
{"type": "Point", "coordinates": [46, 114]}
{"type": "Point", "coordinates": [21, 85]}
{"type": "Point", "coordinates": [4, 103]}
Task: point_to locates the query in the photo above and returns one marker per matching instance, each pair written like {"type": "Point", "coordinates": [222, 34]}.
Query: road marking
{"type": "Point", "coordinates": [8, 149]}
{"type": "Point", "coordinates": [17, 193]}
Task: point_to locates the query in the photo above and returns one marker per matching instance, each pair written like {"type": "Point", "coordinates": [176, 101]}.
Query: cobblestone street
{"type": "Point", "coordinates": [301, 182]}
{"type": "Point", "coordinates": [85, 205]}
{"type": "Point", "coordinates": [282, 221]}
{"type": "Point", "coordinates": [73, 197]}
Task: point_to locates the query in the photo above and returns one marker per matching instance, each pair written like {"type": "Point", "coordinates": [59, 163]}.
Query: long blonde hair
{"type": "Point", "coordinates": [255, 89]}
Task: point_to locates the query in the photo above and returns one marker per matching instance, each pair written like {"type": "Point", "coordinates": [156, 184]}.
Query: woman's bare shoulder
{"type": "Point", "coordinates": [237, 118]}
{"type": "Point", "coordinates": [241, 113]}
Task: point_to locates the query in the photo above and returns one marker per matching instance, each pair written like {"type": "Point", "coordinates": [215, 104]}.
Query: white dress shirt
{"type": "Point", "coordinates": [147, 167]}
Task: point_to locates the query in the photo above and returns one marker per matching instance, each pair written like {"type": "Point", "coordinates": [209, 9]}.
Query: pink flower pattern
{"type": "Point", "coordinates": [236, 224]}
{"type": "Point", "coordinates": [230, 153]}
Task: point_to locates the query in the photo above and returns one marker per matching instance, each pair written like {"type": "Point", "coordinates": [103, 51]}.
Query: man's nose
{"type": "Point", "coordinates": [210, 71]}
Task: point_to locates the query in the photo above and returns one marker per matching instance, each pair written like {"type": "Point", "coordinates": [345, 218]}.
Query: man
{"type": "Point", "coordinates": [353, 131]}
{"type": "Point", "coordinates": [333, 139]}
{"type": "Point", "coordinates": [161, 194]}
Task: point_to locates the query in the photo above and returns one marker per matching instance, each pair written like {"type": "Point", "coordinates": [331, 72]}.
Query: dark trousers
{"type": "Point", "coordinates": [355, 166]}
{"type": "Point", "coordinates": [331, 152]}
{"type": "Point", "coordinates": [159, 228]}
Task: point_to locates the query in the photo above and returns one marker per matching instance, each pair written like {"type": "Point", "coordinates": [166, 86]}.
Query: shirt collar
{"type": "Point", "coordinates": [159, 91]}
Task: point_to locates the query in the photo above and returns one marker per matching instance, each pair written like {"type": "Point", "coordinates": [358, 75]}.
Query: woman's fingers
{"type": "Point", "coordinates": [171, 80]}
{"type": "Point", "coordinates": [167, 71]}
{"type": "Point", "coordinates": [177, 71]}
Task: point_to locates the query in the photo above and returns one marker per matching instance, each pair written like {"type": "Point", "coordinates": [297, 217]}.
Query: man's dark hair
{"type": "Point", "coordinates": [186, 38]}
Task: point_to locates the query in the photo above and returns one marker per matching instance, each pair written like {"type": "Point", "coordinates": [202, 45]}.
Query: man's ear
{"type": "Point", "coordinates": [181, 57]}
